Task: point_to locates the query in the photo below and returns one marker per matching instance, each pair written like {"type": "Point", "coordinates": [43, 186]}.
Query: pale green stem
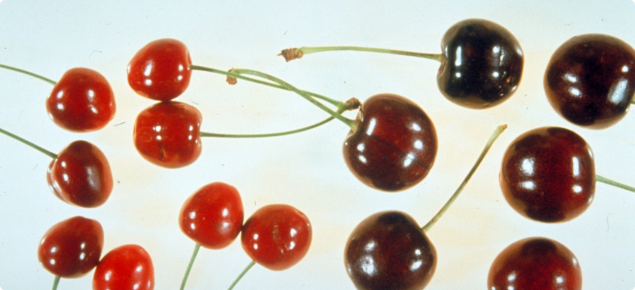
{"type": "Point", "coordinates": [28, 73]}
{"type": "Point", "coordinates": [251, 264]}
{"type": "Point", "coordinates": [56, 282]}
{"type": "Point", "coordinates": [614, 183]}
{"type": "Point", "coordinates": [299, 52]}
{"type": "Point", "coordinates": [189, 266]}
{"type": "Point", "coordinates": [38, 148]}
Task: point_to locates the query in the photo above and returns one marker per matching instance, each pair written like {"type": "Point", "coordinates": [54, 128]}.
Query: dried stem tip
{"type": "Point", "coordinates": [290, 54]}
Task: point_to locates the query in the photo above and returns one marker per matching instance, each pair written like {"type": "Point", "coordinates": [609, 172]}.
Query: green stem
{"type": "Point", "coordinates": [293, 53]}
{"type": "Point", "coordinates": [56, 282]}
{"type": "Point", "coordinates": [38, 148]}
{"type": "Point", "coordinates": [189, 266]}
{"type": "Point", "coordinates": [434, 219]}
{"type": "Point", "coordinates": [28, 73]}
{"type": "Point", "coordinates": [614, 183]}
{"type": "Point", "coordinates": [251, 264]}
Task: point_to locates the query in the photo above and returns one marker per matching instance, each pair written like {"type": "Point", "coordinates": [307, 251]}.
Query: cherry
{"type": "Point", "coordinates": [160, 70]}
{"type": "Point", "coordinates": [590, 80]}
{"type": "Point", "coordinates": [535, 264]}
{"type": "Point", "coordinates": [125, 267]}
{"type": "Point", "coordinates": [72, 247]}
{"type": "Point", "coordinates": [394, 144]}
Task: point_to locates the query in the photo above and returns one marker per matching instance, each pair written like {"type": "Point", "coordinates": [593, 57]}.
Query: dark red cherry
{"type": "Point", "coordinates": [81, 101]}
{"type": "Point", "coordinates": [125, 267]}
{"type": "Point", "coordinates": [590, 80]}
{"type": "Point", "coordinates": [168, 134]}
{"type": "Point", "coordinates": [535, 264]}
{"type": "Point", "coordinates": [160, 70]}
{"type": "Point", "coordinates": [388, 250]}
{"type": "Point", "coordinates": [71, 248]}
{"type": "Point", "coordinates": [81, 175]}
{"type": "Point", "coordinates": [213, 215]}
{"type": "Point", "coordinates": [277, 236]}
{"type": "Point", "coordinates": [548, 174]}
{"type": "Point", "coordinates": [482, 64]}
{"type": "Point", "coordinates": [394, 145]}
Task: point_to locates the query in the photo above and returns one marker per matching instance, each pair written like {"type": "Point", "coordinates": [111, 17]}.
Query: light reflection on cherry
{"type": "Point", "coordinates": [125, 267]}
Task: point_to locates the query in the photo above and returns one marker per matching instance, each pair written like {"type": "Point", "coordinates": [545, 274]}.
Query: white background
{"type": "Point", "coordinates": [305, 170]}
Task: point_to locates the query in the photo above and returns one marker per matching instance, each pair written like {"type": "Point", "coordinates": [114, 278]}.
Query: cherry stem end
{"type": "Point", "coordinates": [251, 264]}
{"type": "Point", "coordinates": [614, 183]}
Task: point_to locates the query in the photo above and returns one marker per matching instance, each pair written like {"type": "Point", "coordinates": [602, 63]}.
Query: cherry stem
{"type": "Point", "coordinates": [293, 53]}
{"type": "Point", "coordinates": [436, 218]}
{"type": "Point", "coordinates": [251, 264]}
{"type": "Point", "coordinates": [614, 183]}
{"type": "Point", "coordinates": [189, 266]}
{"type": "Point", "coordinates": [28, 73]}
{"type": "Point", "coordinates": [38, 148]}
{"type": "Point", "coordinates": [56, 282]}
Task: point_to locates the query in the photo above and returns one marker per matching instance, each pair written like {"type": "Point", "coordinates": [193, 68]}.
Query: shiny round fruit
{"type": "Point", "coordinates": [388, 250]}
{"type": "Point", "coordinates": [590, 80]}
{"type": "Point", "coordinates": [277, 236]}
{"type": "Point", "coordinates": [81, 101]}
{"type": "Point", "coordinates": [394, 145]}
{"type": "Point", "coordinates": [482, 64]}
{"type": "Point", "coordinates": [71, 248]}
{"type": "Point", "coordinates": [548, 175]}
{"type": "Point", "coordinates": [168, 134]}
{"type": "Point", "coordinates": [160, 70]}
{"type": "Point", "coordinates": [81, 175]}
{"type": "Point", "coordinates": [213, 215]}
{"type": "Point", "coordinates": [128, 267]}
{"type": "Point", "coordinates": [535, 264]}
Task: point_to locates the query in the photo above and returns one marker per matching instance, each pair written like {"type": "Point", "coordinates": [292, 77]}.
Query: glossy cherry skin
{"type": "Point", "coordinates": [590, 80]}
{"type": "Point", "coordinates": [71, 248]}
{"type": "Point", "coordinates": [394, 145]}
{"type": "Point", "coordinates": [213, 215]}
{"type": "Point", "coordinates": [168, 134]}
{"type": "Point", "coordinates": [81, 101]}
{"type": "Point", "coordinates": [535, 264]}
{"type": "Point", "coordinates": [128, 267]}
{"type": "Point", "coordinates": [277, 236]}
{"type": "Point", "coordinates": [548, 175]}
{"type": "Point", "coordinates": [160, 70]}
{"type": "Point", "coordinates": [482, 64]}
{"type": "Point", "coordinates": [81, 175]}
{"type": "Point", "coordinates": [388, 250]}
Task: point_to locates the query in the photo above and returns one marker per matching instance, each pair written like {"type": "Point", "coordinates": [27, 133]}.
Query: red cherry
{"type": "Point", "coordinates": [548, 174]}
{"type": "Point", "coordinates": [213, 215]}
{"type": "Point", "coordinates": [394, 145]}
{"type": "Point", "coordinates": [81, 101]}
{"type": "Point", "coordinates": [125, 267]}
{"type": "Point", "coordinates": [590, 80]}
{"type": "Point", "coordinates": [535, 264]}
{"type": "Point", "coordinates": [71, 248]}
{"type": "Point", "coordinates": [277, 236]}
{"type": "Point", "coordinates": [160, 70]}
{"type": "Point", "coordinates": [168, 134]}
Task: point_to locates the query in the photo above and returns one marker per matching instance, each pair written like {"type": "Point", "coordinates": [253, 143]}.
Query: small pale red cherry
{"type": "Point", "coordinates": [213, 215]}
{"type": "Point", "coordinates": [168, 134]}
{"type": "Point", "coordinates": [81, 101]}
{"type": "Point", "coordinates": [277, 236]}
{"type": "Point", "coordinates": [71, 248]}
{"type": "Point", "coordinates": [128, 267]}
{"type": "Point", "coordinates": [160, 70]}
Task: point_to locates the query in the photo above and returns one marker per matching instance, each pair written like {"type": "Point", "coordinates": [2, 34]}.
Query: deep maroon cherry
{"type": "Point", "coordinates": [535, 264]}
{"type": "Point", "coordinates": [388, 250]}
{"type": "Point", "coordinates": [277, 236]}
{"type": "Point", "coordinates": [590, 80]}
{"type": "Point", "coordinates": [71, 248]}
{"type": "Point", "coordinates": [394, 145]}
{"type": "Point", "coordinates": [160, 70]}
{"type": "Point", "coordinates": [548, 174]}
{"type": "Point", "coordinates": [125, 267]}
{"type": "Point", "coordinates": [168, 134]}
{"type": "Point", "coordinates": [213, 215]}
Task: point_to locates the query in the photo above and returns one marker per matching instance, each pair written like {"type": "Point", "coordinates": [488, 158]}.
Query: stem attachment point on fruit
{"type": "Point", "coordinates": [614, 183]}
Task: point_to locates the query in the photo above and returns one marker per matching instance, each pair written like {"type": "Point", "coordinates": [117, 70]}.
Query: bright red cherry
{"type": "Point", "coordinates": [128, 267]}
{"type": "Point", "coordinates": [590, 80]}
{"type": "Point", "coordinates": [71, 248]}
{"type": "Point", "coordinates": [168, 134]}
{"type": "Point", "coordinates": [277, 236]}
{"type": "Point", "coordinates": [535, 264]}
{"type": "Point", "coordinates": [213, 215]}
{"type": "Point", "coordinates": [548, 174]}
{"type": "Point", "coordinates": [160, 70]}
{"type": "Point", "coordinates": [394, 145]}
